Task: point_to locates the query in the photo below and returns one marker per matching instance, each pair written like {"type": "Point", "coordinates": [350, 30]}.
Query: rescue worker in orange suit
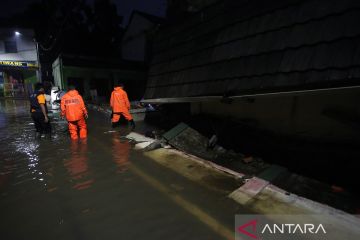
{"type": "Point", "coordinates": [39, 111]}
{"type": "Point", "coordinates": [73, 108]}
{"type": "Point", "coordinates": [120, 105]}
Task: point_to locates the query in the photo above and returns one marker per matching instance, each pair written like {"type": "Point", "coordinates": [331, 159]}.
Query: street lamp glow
{"type": "Point", "coordinates": [17, 33]}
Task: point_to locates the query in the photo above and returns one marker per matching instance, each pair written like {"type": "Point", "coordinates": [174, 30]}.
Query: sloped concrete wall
{"type": "Point", "coordinates": [331, 116]}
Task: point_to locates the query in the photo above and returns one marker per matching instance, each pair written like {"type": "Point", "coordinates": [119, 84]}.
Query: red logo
{"type": "Point", "coordinates": [252, 224]}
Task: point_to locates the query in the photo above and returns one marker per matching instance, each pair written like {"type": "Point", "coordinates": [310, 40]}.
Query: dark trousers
{"type": "Point", "coordinates": [40, 125]}
{"type": "Point", "coordinates": [118, 119]}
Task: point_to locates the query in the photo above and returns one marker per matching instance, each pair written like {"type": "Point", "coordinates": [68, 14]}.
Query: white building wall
{"type": "Point", "coordinates": [26, 46]}
{"type": "Point", "coordinates": [56, 71]}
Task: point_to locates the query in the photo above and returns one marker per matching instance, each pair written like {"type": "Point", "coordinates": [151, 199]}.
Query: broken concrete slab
{"type": "Point", "coordinates": [140, 140]}
{"type": "Point", "coordinates": [158, 143]}
{"type": "Point", "coordinates": [175, 131]}
{"type": "Point", "coordinates": [249, 190]}
{"type": "Point", "coordinates": [189, 140]}
{"type": "Point", "coordinates": [139, 137]}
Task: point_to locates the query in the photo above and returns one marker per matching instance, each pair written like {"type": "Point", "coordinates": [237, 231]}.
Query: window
{"type": "Point", "coordinates": [10, 47]}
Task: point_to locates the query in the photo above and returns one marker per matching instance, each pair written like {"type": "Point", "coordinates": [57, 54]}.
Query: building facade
{"type": "Point", "coordinates": [137, 42]}
{"type": "Point", "coordinates": [297, 62]}
{"type": "Point", "coordinates": [100, 74]}
{"type": "Point", "coordinates": [19, 65]}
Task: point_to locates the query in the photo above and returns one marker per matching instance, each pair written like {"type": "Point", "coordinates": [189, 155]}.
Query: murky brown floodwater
{"type": "Point", "coordinates": [96, 189]}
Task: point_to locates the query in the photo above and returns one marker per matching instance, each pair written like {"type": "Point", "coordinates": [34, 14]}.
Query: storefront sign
{"type": "Point", "coordinates": [18, 64]}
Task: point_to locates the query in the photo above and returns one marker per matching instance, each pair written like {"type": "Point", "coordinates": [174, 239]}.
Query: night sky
{"type": "Point", "coordinates": [125, 7]}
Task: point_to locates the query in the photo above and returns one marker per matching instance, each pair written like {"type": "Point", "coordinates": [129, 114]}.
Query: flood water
{"type": "Point", "coordinates": [96, 189]}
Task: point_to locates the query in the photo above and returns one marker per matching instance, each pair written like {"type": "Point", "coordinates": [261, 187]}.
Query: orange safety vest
{"type": "Point", "coordinates": [72, 106]}
{"type": "Point", "coordinates": [119, 101]}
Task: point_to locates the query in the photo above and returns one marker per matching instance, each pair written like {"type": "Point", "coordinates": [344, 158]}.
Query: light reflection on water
{"type": "Point", "coordinates": [77, 165]}
{"type": "Point", "coordinates": [120, 153]}
{"type": "Point", "coordinates": [27, 157]}
{"type": "Point", "coordinates": [11, 106]}
{"type": "Point", "coordinates": [41, 155]}
{"type": "Point", "coordinates": [27, 146]}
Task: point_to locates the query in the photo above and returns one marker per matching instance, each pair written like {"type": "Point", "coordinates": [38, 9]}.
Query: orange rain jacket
{"type": "Point", "coordinates": [119, 101]}
{"type": "Point", "coordinates": [72, 106]}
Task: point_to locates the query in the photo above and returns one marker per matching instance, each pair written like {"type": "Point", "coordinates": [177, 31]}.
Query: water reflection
{"type": "Point", "coordinates": [14, 106]}
{"type": "Point", "coordinates": [120, 153]}
{"type": "Point", "coordinates": [77, 166]}
{"type": "Point", "coordinates": [30, 149]}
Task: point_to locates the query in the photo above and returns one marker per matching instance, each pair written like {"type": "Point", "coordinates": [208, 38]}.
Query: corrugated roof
{"type": "Point", "coordinates": [241, 46]}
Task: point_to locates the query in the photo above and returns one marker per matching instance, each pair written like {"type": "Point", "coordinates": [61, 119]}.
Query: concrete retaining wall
{"type": "Point", "coordinates": [330, 115]}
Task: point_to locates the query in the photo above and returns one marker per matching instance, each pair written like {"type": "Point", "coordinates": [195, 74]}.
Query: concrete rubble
{"type": "Point", "coordinates": [255, 189]}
